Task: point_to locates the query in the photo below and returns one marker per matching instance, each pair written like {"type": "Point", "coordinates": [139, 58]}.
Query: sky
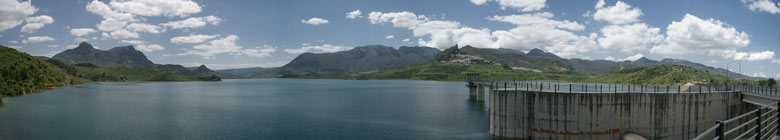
{"type": "Point", "coordinates": [269, 33]}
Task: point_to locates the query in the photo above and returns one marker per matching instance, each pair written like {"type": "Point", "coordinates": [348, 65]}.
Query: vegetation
{"type": "Point", "coordinates": [21, 74]}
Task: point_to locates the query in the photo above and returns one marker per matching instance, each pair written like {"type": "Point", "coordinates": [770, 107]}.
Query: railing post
{"type": "Point", "coordinates": [758, 123]}
{"type": "Point", "coordinates": [719, 130]}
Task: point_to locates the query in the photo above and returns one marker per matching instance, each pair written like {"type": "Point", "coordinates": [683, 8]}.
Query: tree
{"type": "Point", "coordinates": [771, 82]}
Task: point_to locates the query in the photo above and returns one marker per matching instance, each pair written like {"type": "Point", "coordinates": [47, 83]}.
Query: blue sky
{"type": "Point", "coordinates": [267, 33]}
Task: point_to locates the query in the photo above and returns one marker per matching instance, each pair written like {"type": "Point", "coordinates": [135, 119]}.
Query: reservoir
{"type": "Point", "coordinates": [248, 109]}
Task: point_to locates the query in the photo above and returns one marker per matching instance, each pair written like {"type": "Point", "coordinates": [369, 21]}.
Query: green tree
{"type": "Point", "coordinates": [771, 82]}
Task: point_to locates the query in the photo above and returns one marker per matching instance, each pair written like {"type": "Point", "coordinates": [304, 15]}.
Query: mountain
{"type": "Point", "coordinates": [115, 57]}
{"type": "Point", "coordinates": [128, 56]}
{"type": "Point", "coordinates": [21, 73]}
{"type": "Point", "coordinates": [660, 75]}
{"type": "Point", "coordinates": [244, 72]}
{"type": "Point", "coordinates": [541, 62]}
{"type": "Point", "coordinates": [358, 59]}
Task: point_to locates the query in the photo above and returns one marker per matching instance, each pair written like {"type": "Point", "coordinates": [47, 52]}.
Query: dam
{"type": "Point", "coordinates": [542, 110]}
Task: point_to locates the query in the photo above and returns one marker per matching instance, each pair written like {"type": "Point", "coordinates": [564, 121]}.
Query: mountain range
{"type": "Point", "coordinates": [128, 56]}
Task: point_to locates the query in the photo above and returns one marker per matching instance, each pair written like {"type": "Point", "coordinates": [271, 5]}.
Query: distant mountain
{"type": "Point", "coordinates": [127, 56]}
{"type": "Point", "coordinates": [115, 57]}
{"type": "Point", "coordinates": [359, 59]}
{"type": "Point", "coordinates": [245, 72]}
{"type": "Point", "coordinates": [540, 62]}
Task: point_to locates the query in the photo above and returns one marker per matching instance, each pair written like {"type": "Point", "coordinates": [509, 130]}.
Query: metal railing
{"type": "Point", "coordinates": [763, 125]}
{"type": "Point", "coordinates": [558, 87]}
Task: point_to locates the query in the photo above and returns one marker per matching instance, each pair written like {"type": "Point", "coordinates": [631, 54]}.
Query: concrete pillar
{"type": "Point", "coordinates": [472, 90]}
{"type": "Point", "coordinates": [481, 93]}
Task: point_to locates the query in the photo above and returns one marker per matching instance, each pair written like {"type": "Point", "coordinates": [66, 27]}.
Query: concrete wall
{"type": "Point", "coordinates": [481, 93]}
{"type": "Point", "coordinates": [534, 115]}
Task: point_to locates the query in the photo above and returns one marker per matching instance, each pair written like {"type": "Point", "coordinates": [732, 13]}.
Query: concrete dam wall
{"type": "Point", "coordinates": [528, 114]}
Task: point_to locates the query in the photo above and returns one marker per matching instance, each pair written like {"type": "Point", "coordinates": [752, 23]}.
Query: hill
{"type": "Point", "coordinates": [21, 74]}
{"type": "Point", "coordinates": [660, 75]}
{"type": "Point", "coordinates": [244, 72]}
{"type": "Point", "coordinates": [115, 57]}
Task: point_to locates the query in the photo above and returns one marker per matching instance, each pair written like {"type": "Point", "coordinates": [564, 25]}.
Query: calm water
{"type": "Point", "coordinates": [248, 109]}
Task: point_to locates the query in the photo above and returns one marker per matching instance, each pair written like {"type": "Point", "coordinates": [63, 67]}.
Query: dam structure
{"type": "Point", "coordinates": [542, 110]}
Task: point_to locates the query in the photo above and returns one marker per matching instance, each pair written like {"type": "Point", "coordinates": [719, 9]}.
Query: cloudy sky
{"type": "Point", "coordinates": [268, 33]}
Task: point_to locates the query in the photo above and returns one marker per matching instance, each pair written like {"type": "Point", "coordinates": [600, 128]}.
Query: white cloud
{"type": "Point", "coordinates": [600, 4]}
{"type": "Point", "coordinates": [149, 48]}
{"type": "Point", "coordinates": [35, 23]}
{"type": "Point", "coordinates": [13, 41]}
{"type": "Point", "coordinates": [754, 56]}
{"type": "Point", "coordinates": [193, 22]}
{"type": "Point", "coordinates": [354, 14]}
{"type": "Point", "coordinates": [120, 34]}
{"type": "Point", "coordinates": [80, 39]}
{"type": "Point", "coordinates": [314, 21]}
{"type": "Point", "coordinates": [407, 41]}
{"type": "Point", "coordinates": [260, 51]}
{"type": "Point", "coordinates": [71, 46]}
{"type": "Point", "coordinates": [630, 58]}
{"type": "Point", "coordinates": [220, 46]}
{"type": "Point", "coordinates": [100, 8]}
{"type": "Point", "coordinates": [539, 19]}
{"type": "Point", "coordinates": [693, 35]}
{"type": "Point", "coordinates": [760, 74]}
{"type": "Point", "coordinates": [389, 37]}
{"type": "Point", "coordinates": [776, 61]}
{"type": "Point", "coordinates": [13, 12]}
{"type": "Point", "coordinates": [81, 31]}
{"type": "Point", "coordinates": [52, 46]}
{"type": "Point", "coordinates": [621, 13]}
{"type": "Point", "coordinates": [143, 27]}
{"type": "Point", "coordinates": [542, 32]}
{"type": "Point", "coordinates": [610, 58]}
{"type": "Point", "coordinates": [15, 47]}
{"type": "Point", "coordinates": [111, 24]}
{"type": "Point", "coordinates": [135, 42]}
{"type": "Point", "coordinates": [36, 39]}
{"type": "Point", "coordinates": [519, 5]}
{"type": "Point", "coordinates": [193, 38]}
{"type": "Point", "coordinates": [169, 8]}
{"type": "Point", "coordinates": [629, 38]}
{"type": "Point", "coordinates": [763, 6]}
{"type": "Point", "coordinates": [325, 48]}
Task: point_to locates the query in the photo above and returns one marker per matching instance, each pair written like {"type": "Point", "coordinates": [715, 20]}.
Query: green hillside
{"type": "Point", "coordinates": [660, 75]}
{"type": "Point", "coordinates": [21, 74]}
{"type": "Point", "coordinates": [457, 72]}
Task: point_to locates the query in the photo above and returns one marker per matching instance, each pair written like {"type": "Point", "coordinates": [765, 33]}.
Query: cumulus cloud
{"type": "Point", "coordinates": [407, 41]}
{"type": "Point", "coordinates": [314, 21]}
{"type": "Point", "coordinates": [193, 38]}
{"type": "Point", "coordinates": [693, 35]}
{"type": "Point", "coordinates": [759, 74]}
{"type": "Point", "coordinates": [776, 61]}
{"type": "Point", "coordinates": [630, 58]}
{"type": "Point", "coordinates": [389, 37]}
{"type": "Point", "coordinates": [102, 9]}
{"type": "Point", "coordinates": [763, 6]}
{"type": "Point", "coordinates": [325, 48]}
{"type": "Point", "coordinates": [143, 27]}
{"type": "Point", "coordinates": [149, 48]}
{"type": "Point", "coordinates": [193, 22]}
{"type": "Point", "coordinates": [754, 56]}
{"type": "Point", "coordinates": [35, 23]}
{"type": "Point", "coordinates": [629, 38]}
{"type": "Point", "coordinates": [354, 14]}
{"type": "Point", "coordinates": [260, 51]}
{"type": "Point", "coordinates": [111, 24]}
{"type": "Point", "coordinates": [169, 8]}
{"type": "Point", "coordinates": [135, 42]}
{"type": "Point", "coordinates": [81, 31]}
{"type": "Point", "coordinates": [539, 19]}
{"type": "Point", "coordinates": [71, 46]}
{"type": "Point", "coordinates": [219, 46]}
{"type": "Point", "coordinates": [80, 39]}
{"type": "Point", "coordinates": [13, 13]}
{"type": "Point", "coordinates": [120, 34]}
{"type": "Point", "coordinates": [519, 5]}
{"type": "Point", "coordinates": [534, 30]}
{"type": "Point", "coordinates": [36, 39]}
{"type": "Point", "coordinates": [621, 13]}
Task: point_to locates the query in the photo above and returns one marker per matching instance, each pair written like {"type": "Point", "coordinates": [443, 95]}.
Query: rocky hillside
{"type": "Point", "coordinates": [21, 73]}
{"type": "Point", "coordinates": [115, 57]}
{"type": "Point", "coordinates": [359, 59]}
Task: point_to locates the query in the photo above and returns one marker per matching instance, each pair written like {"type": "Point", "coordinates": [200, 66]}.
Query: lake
{"type": "Point", "coordinates": [248, 109]}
